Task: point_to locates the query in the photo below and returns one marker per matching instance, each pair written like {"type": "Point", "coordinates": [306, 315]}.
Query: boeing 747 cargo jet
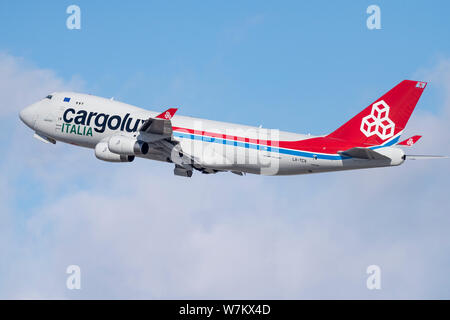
{"type": "Point", "coordinates": [119, 132]}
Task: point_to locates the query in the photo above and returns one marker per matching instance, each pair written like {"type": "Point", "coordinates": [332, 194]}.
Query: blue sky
{"type": "Point", "coordinates": [233, 60]}
{"type": "Point", "coordinates": [305, 67]}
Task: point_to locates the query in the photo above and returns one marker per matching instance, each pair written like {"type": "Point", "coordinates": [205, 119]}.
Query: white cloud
{"type": "Point", "coordinates": [21, 84]}
{"type": "Point", "coordinates": [137, 231]}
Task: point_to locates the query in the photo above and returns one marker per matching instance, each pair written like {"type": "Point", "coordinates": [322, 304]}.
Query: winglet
{"type": "Point", "coordinates": [410, 141]}
{"type": "Point", "coordinates": [168, 114]}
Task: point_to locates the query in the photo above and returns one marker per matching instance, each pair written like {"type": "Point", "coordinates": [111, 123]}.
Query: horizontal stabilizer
{"type": "Point", "coordinates": [363, 153]}
{"type": "Point", "coordinates": [410, 141]}
{"type": "Point", "coordinates": [423, 157]}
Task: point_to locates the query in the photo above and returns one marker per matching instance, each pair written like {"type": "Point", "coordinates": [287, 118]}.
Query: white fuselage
{"type": "Point", "coordinates": [86, 120]}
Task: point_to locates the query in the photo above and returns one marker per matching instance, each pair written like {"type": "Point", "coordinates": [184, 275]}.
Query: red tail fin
{"type": "Point", "coordinates": [385, 118]}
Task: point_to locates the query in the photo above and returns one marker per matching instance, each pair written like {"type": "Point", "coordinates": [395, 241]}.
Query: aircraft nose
{"type": "Point", "coordinates": [27, 116]}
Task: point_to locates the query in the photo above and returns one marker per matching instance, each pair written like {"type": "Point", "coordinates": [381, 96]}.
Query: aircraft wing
{"type": "Point", "coordinates": [363, 153]}
{"type": "Point", "coordinates": [157, 132]}
{"type": "Point", "coordinates": [160, 125]}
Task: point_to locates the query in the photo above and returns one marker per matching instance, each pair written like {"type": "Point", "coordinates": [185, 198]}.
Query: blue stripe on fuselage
{"type": "Point", "coordinates": [387, 144]}
{"type": "Point", "coordinates": [298, 153]}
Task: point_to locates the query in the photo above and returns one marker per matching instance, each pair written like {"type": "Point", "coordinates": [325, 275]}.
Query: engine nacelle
{"type": "Point", "coordinates": [102, 152]}
{"type": "Point", "coordinates": [127, 146]}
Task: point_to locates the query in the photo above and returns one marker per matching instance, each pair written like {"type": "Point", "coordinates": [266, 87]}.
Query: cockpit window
{"type": "Point", "coordinates": [49, 97]}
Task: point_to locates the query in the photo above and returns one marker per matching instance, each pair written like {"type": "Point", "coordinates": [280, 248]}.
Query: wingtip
{"type": "Point", "coordinates": [410, 141]}
{"type": "Point", "coordinates": [168, 114]}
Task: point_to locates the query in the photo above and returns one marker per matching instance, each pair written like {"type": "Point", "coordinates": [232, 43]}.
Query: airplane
{"type": "Point", "coordinates": [119, 132]}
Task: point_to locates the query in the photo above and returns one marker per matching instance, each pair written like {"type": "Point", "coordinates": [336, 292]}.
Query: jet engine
{"type": "Point", "coordinates": [127, 146]}
{"type": "Point", "coordinates": [102, 152]}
